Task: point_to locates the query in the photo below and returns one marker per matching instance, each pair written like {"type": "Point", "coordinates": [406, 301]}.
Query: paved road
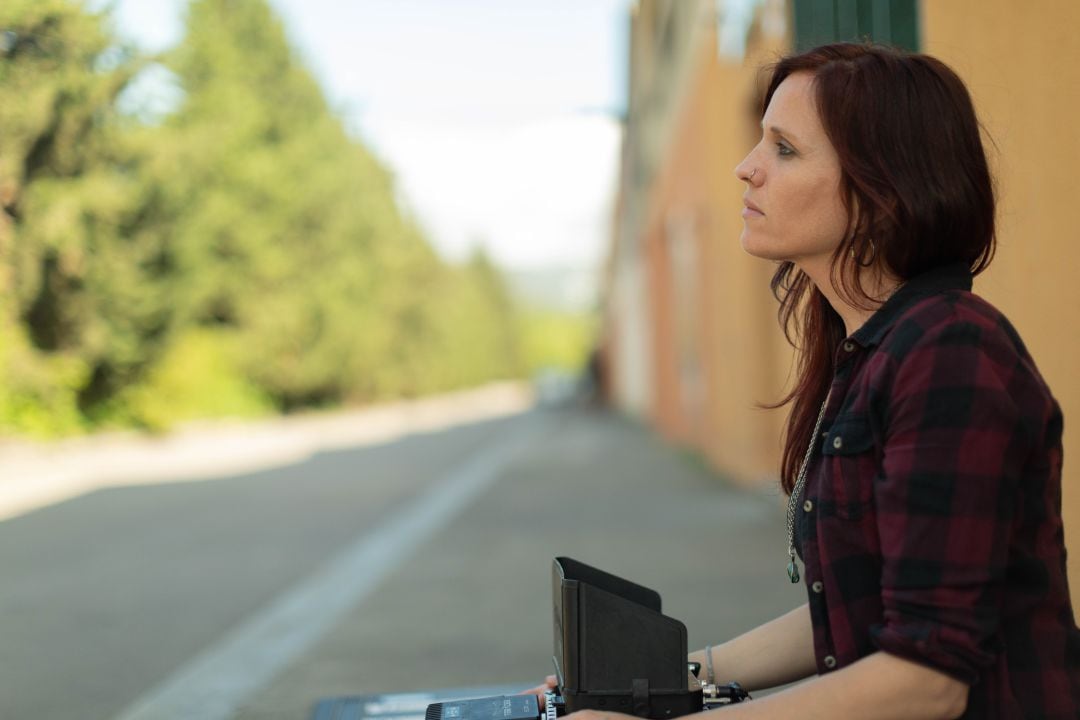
{"type": "Point", "coordinates": [110, 596]}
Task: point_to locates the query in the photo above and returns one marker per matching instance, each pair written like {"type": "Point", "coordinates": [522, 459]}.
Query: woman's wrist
{"type": "Point", "coordinates": [706, 658]}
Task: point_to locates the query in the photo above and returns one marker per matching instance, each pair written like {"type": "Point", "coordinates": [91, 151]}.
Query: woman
{"type": "Point", "coordinates": [928, 515]}
{"type": "Point", "coordinates": [923, 450]}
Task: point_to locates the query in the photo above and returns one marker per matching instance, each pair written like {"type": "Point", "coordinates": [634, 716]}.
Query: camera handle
{"type": "Point", "coordinates": [714, 696]}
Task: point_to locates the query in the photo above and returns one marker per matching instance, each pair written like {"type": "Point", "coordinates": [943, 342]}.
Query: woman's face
{"type": "Point", "coordinates": [794, 209]}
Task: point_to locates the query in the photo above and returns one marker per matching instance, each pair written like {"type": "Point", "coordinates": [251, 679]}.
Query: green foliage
{"type": "Point", "coordinates": [83, 284]}
{"type": "Point", "coordinates": [465, 332]}
{"type": "Point", "coordinates": [39, 393]}
{"type": "Point", "coordinates": [290, 235]}
{"type": "Point", "coordinates": [558, 340]}
{"type": "Point", "coordinates": [238, 256]}
{"type": "Point", "coordinates": [196, 378]}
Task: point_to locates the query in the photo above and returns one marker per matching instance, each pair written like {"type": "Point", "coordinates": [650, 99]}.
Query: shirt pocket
{"type": "Point", "coordinates": [850, 467]}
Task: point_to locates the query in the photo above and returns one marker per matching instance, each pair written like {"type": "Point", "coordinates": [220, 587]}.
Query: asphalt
{"type": "Point", "coordinates": [117, 587]}
{"type": "Point", "coordinates": [109, 593]}
{"type": "Point", "coordinates": [474, 607]}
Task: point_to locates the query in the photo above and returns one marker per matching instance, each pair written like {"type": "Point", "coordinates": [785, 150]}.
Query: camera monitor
{"type": "Point", "coordinates": [615, 649]}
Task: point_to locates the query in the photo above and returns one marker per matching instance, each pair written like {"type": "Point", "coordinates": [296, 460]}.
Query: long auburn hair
{"type": "Point", "coordinates": [916, 186]}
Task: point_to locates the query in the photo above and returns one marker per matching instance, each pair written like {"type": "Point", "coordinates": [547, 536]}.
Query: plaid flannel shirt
{"type": "Point", "coordinates": [930, 526]}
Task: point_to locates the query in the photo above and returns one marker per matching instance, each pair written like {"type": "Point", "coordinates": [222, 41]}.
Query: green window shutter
{"type": "Point", "coordinates": [892, 22]}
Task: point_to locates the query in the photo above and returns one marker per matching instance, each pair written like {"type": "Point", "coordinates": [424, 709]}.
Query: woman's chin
{"type": "Point", "coordinates": [754, 245]}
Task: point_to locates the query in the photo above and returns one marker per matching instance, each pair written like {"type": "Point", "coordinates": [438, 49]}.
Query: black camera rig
{"type": "Point", "coordinates": [614, 650]}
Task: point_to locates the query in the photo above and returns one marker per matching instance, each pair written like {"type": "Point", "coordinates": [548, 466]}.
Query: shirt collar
{"type": "Point", "coordinates": [940, 279]}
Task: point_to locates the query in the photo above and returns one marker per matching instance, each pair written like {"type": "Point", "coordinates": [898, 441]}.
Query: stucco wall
{"type": "Point", "coordinates": [1021, 62]}
{"type": "Point", "coordinates": [696, 198]}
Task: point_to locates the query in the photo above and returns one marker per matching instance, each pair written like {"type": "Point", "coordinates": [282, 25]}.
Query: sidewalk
{"type": "Point", "coordinates": [35, 474]}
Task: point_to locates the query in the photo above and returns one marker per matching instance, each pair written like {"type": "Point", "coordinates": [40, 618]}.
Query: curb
{"type": "Point", "coordinates": [33, 475]}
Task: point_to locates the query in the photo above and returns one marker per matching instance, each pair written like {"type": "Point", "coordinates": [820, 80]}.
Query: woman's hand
{"type": "Point", "coordinates": [550, 683]}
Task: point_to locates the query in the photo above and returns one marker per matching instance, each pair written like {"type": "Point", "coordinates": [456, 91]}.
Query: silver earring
{"type": "Point", "coordinates": [873, 254]}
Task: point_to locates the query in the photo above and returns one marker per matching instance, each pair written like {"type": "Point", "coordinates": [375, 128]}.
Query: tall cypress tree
{"type": "Point", "coordinates": [287, 224]}
{"type": "Point", "coordinates": [290, 232]}
{"type": "Point", "coordinates": [83, 300]}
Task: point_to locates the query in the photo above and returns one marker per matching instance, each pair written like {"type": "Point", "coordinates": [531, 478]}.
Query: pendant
{"type": "Point", "coordinates": [793, 571]}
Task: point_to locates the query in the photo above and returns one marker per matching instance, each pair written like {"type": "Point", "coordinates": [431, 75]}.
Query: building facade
{"type": "Point", "coordinates": [692, 343]}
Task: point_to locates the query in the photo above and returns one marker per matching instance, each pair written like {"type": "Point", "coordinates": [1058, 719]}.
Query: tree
{"type": "Point", "coordinates": [84, 285]}
{"type": "Point", "coordinates": [289, 231]}
{"type": "Point", "coordinates": [239, 252]}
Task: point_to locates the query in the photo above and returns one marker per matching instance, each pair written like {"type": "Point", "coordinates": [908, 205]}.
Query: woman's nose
{"type": "Point", "coordinates": [745, 170]}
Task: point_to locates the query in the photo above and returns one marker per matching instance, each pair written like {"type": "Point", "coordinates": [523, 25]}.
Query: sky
{"type": "Point", "coordinates": [499, 118]}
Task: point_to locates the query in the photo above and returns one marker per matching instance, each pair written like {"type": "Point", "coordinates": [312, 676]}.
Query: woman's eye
{"type": "Point", "coordinates": [783, 150]}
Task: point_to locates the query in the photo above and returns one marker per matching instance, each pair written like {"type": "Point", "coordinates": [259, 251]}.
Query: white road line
{"type": "Point", "coordinates": [216, 683]}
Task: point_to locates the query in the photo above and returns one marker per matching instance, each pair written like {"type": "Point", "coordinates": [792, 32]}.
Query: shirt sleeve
{"type": "Point", "coordinates": [954, 452]}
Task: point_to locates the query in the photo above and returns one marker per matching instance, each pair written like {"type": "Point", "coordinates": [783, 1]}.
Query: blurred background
{"type": "Point", "coordinates": [326, 324]}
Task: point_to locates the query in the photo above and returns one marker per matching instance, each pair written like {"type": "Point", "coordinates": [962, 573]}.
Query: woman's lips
{"type": "Point", "coordinates": [751, 210]}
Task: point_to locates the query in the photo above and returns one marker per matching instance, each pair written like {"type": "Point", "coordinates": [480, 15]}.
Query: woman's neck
{"type": "Point", "coordinates": [877, 284]}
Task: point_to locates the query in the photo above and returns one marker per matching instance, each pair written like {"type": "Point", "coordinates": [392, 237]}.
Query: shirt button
{"type": "Point", "coordinates": [808, 506]}
{"type": "Point", "coordinates": [849, 346]}
{"type": "Point", "coordinates": [817, 586]}
{"type": "Point", "coordinates": [830, 662]}
{"type": "Point", "coordinates": [838, 442]}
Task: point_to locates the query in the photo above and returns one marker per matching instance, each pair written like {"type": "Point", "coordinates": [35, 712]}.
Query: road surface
{"type": "Point", "coordinates": [419, 563]}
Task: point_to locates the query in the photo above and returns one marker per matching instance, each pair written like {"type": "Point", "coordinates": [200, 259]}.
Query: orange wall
{"type": "Point", "coordinates": [744, 358]}
{"type": "Point", "coordinates": [1021, 62]}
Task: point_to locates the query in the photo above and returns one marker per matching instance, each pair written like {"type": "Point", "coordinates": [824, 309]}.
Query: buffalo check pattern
{"type": "Point", "coordinates": [930, 526]}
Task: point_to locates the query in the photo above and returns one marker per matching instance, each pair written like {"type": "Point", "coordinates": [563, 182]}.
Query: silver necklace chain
{"type": "Point", "coordinates": [800, 483]}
